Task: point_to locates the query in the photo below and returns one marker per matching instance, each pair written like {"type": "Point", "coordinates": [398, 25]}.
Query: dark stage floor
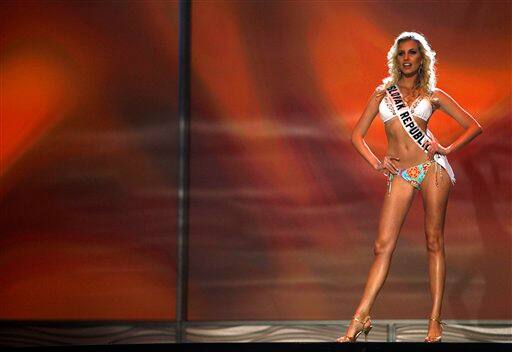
{"type": "Point", "coordinates": [285, 347]}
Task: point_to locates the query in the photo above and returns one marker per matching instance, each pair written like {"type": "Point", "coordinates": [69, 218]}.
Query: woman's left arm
{"type": "Point", "coordinates": [471, 126]}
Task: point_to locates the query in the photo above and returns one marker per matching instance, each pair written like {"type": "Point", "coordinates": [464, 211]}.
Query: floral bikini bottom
{"type": "Point", "coordinates": [414, 174]}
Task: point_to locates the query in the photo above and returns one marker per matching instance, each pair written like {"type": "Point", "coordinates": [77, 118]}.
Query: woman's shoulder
{"type": "Point", "coordinates": [380, 89]}
{"type": "Point", "coordinates": [436, 96]}
{"type": "Point", "coordinates": [379, 92]}
{"type": "Point", "coordinates": [440, 97]}
{"type": "Point", "coordinates": [438, 93]}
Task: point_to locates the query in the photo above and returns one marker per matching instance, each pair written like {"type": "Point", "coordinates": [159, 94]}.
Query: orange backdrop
{"type": "Point", "coordinates": [283, 210]}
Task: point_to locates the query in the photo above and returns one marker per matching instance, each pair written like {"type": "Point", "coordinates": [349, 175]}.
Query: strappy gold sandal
{"type": "Point", "coordinates": [438, 338]}
{"type": "Point", "coordinates": [365, 329]}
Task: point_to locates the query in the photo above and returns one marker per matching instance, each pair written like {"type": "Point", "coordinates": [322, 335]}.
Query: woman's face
{"type": "Point", "coordinates": [409, 57]}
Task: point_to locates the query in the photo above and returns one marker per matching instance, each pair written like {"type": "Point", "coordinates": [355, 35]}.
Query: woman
{"type": "Point", "coordinates": [414, 161]}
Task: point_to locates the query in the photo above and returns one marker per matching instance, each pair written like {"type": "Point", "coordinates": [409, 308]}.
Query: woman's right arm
{"type": "Point", "coordinates": [361, 128]}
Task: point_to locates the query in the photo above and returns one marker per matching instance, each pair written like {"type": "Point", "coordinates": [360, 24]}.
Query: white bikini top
{"type": "Point", "coordinates": [421, 108]}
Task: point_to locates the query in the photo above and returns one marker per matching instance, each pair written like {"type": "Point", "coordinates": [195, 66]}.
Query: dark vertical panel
{"type": "Point", "coordinates": [183, 175]}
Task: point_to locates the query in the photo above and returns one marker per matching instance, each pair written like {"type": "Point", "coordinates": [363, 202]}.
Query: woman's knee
{"type": "Point", "coordinates": [386, 247]}
{"type": "Point", "coordinates": [435, 241]}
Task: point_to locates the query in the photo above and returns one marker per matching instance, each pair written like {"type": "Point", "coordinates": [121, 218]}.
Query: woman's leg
{"type": "Point", "coordinates": [392, 217]}
{"type": "Point", "coordinates": [435, 201]}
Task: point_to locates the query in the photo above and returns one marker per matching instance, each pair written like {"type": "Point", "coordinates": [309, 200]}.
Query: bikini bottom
{"type": "Point", "coordinates": [415, 175]}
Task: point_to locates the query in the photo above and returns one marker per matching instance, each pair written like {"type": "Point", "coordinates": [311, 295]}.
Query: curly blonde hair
{"type": "Point", "coordinates": [426, 79]}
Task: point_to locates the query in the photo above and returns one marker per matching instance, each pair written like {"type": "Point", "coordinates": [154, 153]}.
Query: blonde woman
{"type": "Point", "coordinates": [414, 162]}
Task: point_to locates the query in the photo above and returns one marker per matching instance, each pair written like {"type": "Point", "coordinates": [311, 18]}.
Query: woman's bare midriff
{"type": "Point", "coordinates": [400, 145]}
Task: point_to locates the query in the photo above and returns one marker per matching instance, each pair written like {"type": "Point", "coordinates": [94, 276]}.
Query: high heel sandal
{"type": "Point", "coordinates": [365, 330]}
{"type": "Point", "coordinates": [438, 338]}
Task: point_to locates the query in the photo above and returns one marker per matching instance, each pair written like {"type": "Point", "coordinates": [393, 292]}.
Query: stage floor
{"type": "Point", "coordinates": [247, 335]}
{"type": "Point", "coordinates": [288, 347]}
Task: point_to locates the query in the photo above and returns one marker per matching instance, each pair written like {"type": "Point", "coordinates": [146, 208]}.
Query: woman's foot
{"type": "Point", "coordinates": [357, 326]}
{"type": "Point", "coordinates": [435, 330]}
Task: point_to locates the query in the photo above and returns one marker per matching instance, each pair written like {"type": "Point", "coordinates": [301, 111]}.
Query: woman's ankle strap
{"type": "Point", "coordinates": [362, 321]}
{"type": "Point", "coordinates": [438, 320]}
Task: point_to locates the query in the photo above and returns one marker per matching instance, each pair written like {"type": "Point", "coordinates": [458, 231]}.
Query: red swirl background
{"type": "Point", "coordinates": [283, 210]}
